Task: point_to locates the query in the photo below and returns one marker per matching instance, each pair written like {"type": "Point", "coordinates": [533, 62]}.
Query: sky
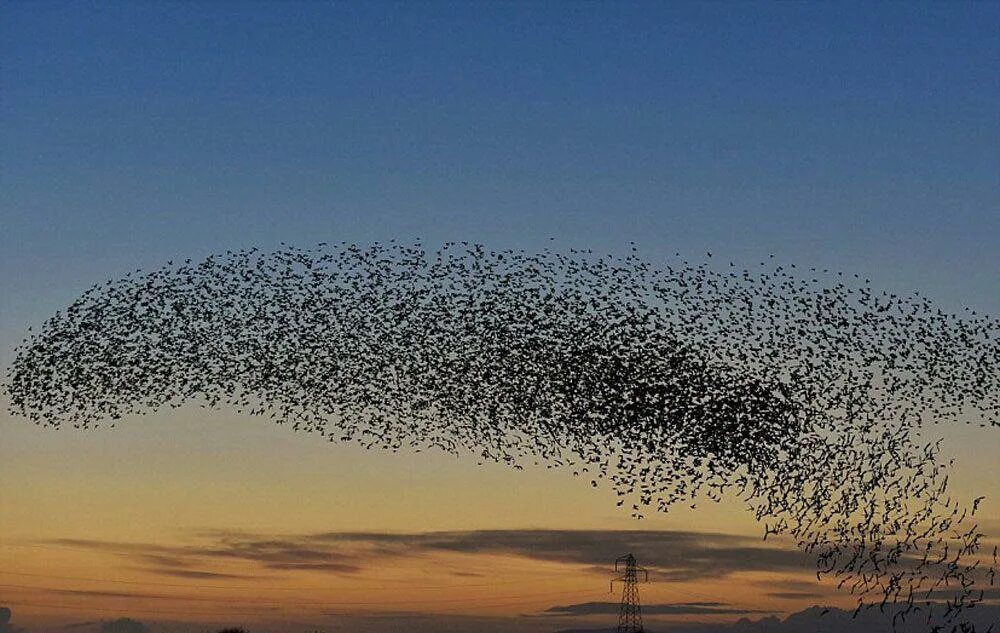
{"type": "Point", "coordinates": [857, 136]}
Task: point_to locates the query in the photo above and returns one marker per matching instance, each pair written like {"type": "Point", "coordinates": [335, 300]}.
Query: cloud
{"type": "Point", "coordinates": [339, 568]}
{"type": "Point", "coordinates": [416, 622]}
{"type": "Point", "coordinates": [669, 555]}
{"type": "Point", "coordinates": [797, 589]}
{"type": "Point", "coordinates": [92, 593]}
{"type": "Point", "coordinates": [682, 608]}
{"type": "Point", "coordinates": [195, 561]}
{"type": "Point", "coordinates": [794, 595]}
{"type": "Point", "coordinates": [691, 552]}
{"type": "Point", "coordinates": [195, 574]}
{"type": "Point", "coordinates": [124, 625]}
{"type": "Point", "coordinates": [691, 555]}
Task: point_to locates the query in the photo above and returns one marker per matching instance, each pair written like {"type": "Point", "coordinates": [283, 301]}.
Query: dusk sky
{"type": "Point", "coordinates": [860, 137]}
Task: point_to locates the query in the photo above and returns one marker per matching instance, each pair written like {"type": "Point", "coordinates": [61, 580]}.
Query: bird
{"type": "Point", "coordinates": [803, 395]}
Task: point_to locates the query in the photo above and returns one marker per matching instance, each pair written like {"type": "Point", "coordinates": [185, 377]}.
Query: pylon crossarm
{"type": "Point", "coordinates": [622, 559]}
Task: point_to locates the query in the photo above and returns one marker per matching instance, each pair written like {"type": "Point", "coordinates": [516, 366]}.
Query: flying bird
{"type": "Point", "coordinates": [803, 396]}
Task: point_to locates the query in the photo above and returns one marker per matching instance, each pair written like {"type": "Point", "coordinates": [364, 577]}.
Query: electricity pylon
{"type": "Point", "coordinates": [630, 613]}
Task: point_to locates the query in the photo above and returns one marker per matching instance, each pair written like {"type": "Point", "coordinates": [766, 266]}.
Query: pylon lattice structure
{"type": "Point", "coordinates": [630, 612]}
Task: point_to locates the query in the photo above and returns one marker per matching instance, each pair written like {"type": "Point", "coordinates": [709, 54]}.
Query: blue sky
{"type": "Point", "coordinates": [861, 136]}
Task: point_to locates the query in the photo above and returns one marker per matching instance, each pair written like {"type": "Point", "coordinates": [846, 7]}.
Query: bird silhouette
{"type": "Point", "coordinates": [803, 396]}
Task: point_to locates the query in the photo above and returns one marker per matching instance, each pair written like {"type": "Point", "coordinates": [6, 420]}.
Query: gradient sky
{"type": "Point", "coordinates": [863, 137]}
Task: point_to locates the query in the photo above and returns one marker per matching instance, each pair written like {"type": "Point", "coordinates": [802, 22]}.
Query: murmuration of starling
{"type": "Point", "coordinates": [805, 394]}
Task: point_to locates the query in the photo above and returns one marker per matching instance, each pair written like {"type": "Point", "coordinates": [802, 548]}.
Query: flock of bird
{"type": "Point", "coordinates": [806, 393]}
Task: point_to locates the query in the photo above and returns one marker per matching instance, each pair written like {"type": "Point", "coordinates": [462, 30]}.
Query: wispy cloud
{"type": "Point", "coordinates": [681, 608]}
{"type": "Point", "coordinates": [794, 595]}
{"type": "Point", "coordinates": [669, 555]}
{"type": "Point", "coordinates": [195, 574]}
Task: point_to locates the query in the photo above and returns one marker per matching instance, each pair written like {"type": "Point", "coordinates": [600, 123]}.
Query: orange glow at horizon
{"type": "Point", "coordinates": [168, 480]}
